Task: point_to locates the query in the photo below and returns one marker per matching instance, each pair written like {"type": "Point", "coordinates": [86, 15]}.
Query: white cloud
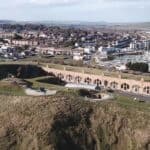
{"type": "Point", "coordinates": [97, 3]}
{"type": "Point", "coordinates": [68, 2]}
{"type": "Point", "coordinates": [53, 2]}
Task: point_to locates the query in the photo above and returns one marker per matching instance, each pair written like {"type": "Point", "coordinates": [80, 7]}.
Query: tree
{"type": "Point", "coordinates": [142, 67]}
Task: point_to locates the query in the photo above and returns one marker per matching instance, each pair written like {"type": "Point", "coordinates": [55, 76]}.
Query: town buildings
{"type": "Point", "coordinates": [19, 41]}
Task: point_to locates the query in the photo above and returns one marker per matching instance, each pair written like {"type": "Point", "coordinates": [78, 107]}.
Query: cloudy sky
{"type": "Point", "coordinates": [76, 10]}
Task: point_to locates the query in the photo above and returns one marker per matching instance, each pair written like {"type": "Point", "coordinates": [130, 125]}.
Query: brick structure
{"type": "Point", "coordinates": [126, 85]}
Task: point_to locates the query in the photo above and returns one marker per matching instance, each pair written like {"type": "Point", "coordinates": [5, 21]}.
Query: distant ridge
{"type": "Point", "coordinates": [7, 21]}
{"type": "Point", "coordinates": [119, 25]}
{"type": "Point", "coordinates": [46, 22]}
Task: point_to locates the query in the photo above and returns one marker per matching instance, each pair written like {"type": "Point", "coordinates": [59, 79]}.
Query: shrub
{"type": "Point", "coordinates": [142, 67]}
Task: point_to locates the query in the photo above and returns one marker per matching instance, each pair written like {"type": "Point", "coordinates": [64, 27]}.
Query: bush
{"type": "Point", "coordinates": [142, 67]}
{"type": "Point", "coordinates": [84, 92]}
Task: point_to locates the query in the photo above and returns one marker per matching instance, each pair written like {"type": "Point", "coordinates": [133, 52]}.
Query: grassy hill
{"type": "Point", "coordinates": [66, 122]}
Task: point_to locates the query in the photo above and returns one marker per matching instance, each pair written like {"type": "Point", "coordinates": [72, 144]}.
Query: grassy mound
{"type": "Point", "coordinates": [66, 122]}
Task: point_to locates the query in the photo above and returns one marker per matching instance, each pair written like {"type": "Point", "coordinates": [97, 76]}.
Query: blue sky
{"type": "Point", "coordinates": [76, 10]}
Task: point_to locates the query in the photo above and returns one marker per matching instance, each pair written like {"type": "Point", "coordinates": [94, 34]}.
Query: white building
{"type": "Point", "coordinates": [121, 67]}
{"type": "Point", "coordinates": [77, 57]}
{"type": "Point", "coordinates": [133, 46]}
{"type": "Point", "coordinates": [87, 50]}
{"type": "Point", "coordinates": [76, 45]}
{"type": "Point", "coordinates": [147, 44]}
{"type": "Point", "coordinates": [102, 53]}
{"type": "Point", "coordinates": [42, 35]}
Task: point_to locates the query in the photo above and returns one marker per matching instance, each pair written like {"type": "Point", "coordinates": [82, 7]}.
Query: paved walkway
{"type": "Point", "coordinates": [80, 86]}
{"type": "Point", "coordinates": [32, 92]}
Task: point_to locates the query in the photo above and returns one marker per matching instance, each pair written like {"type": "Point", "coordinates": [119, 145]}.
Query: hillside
{"type": "Point", "coordinates": [7, 21]}
{"type": "Point", "coordinates": [66, 122]}
{"type": "Point", "coordinates": [21, 71]}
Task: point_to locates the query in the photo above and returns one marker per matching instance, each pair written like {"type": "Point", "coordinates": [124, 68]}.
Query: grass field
{"type": "Point", "coordinates": [128, 103]}
{"type": "Point", "coordinates": [37, 84]}
{"type": "Point", "coordinates": [8, 89]}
